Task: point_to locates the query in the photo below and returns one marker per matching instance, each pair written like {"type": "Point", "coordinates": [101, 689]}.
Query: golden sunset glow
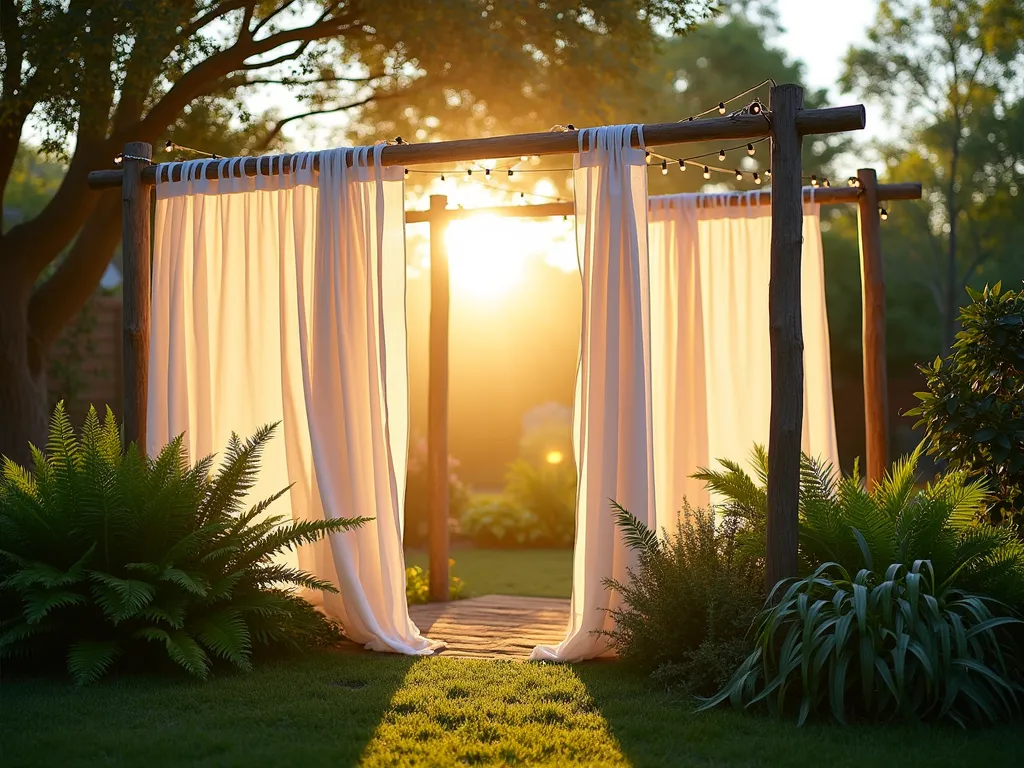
{"type": "Point", "coordinates": [554, 457]}
{"type": "Point", "coordinates": [486, 255]}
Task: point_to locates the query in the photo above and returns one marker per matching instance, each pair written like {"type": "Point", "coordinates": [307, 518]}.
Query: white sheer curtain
{"type": "Point", "coordinates": [710, 260]}
{"type": "Point", "coordinates": [612, 415]}
{"type": "Point", "coordinates": [282, 298]}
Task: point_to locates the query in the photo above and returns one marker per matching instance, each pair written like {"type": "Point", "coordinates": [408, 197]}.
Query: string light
{"type": "Point", "coordinates": [814, 180]}
{"type": "Point", "coordinates": [664, 167]}
{"type": "Point", "coordinates": [884, 214]}
{"type": "Point", "coordinates": [398, 139]}
{"type": "Point", "coordinates": [721, 154]}
{"type": "Point", "coordinates": [755, 107]}
{"type": "Point", "coordinates": [487, 172]}
{"type": "Point", "coordinates": [739, 175]}
{"type": "Point", "coordinates": [750, 149]}
{"type": "Point", "coordinates": [510, 173]}
{"type": "Point", "coordinates": [757, 179]}
{"type": "Point", "coordinates": [721, 107]}
{"type": "Point", "coordinates": [707, 173]}
{"type": "Point", "coordinates": [682, 165]}
{"type": "Point", "coordinates": [853, 181]}
{"type": "Point", "coordinates": [469, 172]}
{"type": "Point", "coordinates": [767, 173]}
{"type": "Point", "coordinates": [825, 183]}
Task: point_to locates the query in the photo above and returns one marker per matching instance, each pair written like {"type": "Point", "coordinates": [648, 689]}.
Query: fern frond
{"type": "Point", "coordinates": [120, 599]}
{"type": "Point", "coordinates": [636, 534]}
{"type": "Point", "coordinates": [40, 602]}
{"type": "Point", "coordinates": [181, 648]}
{"type": "Point", "coordinates": [226, 634]}
{"type": "Point", "coordinates": [88, 661]}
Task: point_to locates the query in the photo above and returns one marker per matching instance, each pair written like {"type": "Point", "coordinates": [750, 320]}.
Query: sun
{"type": "Point", "coordinates": [487, 255]}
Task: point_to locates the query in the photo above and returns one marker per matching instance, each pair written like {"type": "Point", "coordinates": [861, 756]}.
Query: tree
{"type": "Point", "coordinates": [89, 75]}
{"type": "Point", "coordinates": [951, 69]}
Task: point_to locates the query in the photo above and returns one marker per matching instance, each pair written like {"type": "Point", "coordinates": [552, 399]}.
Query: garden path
{"type": "Point", "coordinates": [493, 626]}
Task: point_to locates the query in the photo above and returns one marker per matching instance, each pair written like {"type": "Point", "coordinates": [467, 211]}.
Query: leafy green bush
{"type": "Point", "coordinates": [417, 585]}
{"type": "Point", "coordinates": [548, 490]}
{"type": "Point", "coordinates": [878, 647]}
{"type": "Point", "coordinates": [973, 409]}
{"type": "Point", "coordinates": [109, 555]}
{"type": "Point", "coordinates": [501, 523]}
{"type": "Point", "coordinates": [417, 498]}
{"type": "Point", "coordinates": [842, 522]}
{"type": "Point", "coordinates": [689, 602]}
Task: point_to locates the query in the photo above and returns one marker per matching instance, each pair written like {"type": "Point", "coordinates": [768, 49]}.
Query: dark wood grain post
{"type": "Point", "coordinates": [872, 283]}
{"type": "Point", "coordinates": [786, 336]}
{"type": "Point", "coordinates": [437, 404]}
{"type": "Point", "coordinates": [135, 255]}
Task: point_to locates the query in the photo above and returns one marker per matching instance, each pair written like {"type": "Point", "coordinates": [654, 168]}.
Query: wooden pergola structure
{"type": "Point", "coordinates": [786, 123]}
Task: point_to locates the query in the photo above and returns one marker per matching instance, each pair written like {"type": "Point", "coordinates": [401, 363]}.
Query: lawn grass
{"type": "Point", "coordinates": [342, 709]}
{"type": "Point", "coordinates": [532, 572]}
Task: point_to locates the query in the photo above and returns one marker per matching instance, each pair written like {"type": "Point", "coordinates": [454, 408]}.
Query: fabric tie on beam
{"type": "Point", "coordinates": [612, 432]}
{"type": "Point", "coordinates": [281, 298]}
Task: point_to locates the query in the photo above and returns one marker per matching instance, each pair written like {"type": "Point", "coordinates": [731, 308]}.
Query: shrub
{"type": "Point", "coordinates": [973, 408]}
{"type": "Point", "coordinates": [689, 602]}
{"type": "Point", "coordinates": [878, 647]}
{"type": "Point", "coordinates": [417, 585]}
{"type": "Point", "coordinates": [111, 555]}
{"type": "Point", "coordinates": [549, 492]}
{"type": "Point", "coordinates": [417, 498]}
{"type": "Point", "coordinates": [842, 522]}
{"type": "Point", "coordinates": [501, 523]}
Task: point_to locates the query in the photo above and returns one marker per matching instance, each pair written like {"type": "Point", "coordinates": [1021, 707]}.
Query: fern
{"type": "Point", "coordinates": [104, 542]}
{"type": "Point", "coordinates": [635, 533]}
{"type": "Point", "coordinates": [843, 522]}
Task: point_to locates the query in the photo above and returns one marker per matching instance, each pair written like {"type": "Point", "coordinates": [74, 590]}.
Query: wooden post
{"type": "Point", "coordinates": [786, 336]}
{"type": "Point", "coordinates": [135, 255]}
{"type": "Point", "coordinates": [437, 406]}
{"type": "Point", "coordinates": [872, 282]}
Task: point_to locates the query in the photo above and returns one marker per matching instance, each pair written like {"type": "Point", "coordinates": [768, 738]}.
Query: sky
{"type": "Point", "coordinates": [820, 32]}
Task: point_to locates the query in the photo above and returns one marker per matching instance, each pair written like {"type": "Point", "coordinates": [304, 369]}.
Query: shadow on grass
{"type": "Point", "coordinates": [319, 709]}
{"type": "Point", "coordinates": [656, 728]}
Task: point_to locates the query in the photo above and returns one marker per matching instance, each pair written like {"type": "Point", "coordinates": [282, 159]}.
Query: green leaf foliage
{"type": "Point", "coordinates": [108, 554]}
{"type": "Point", "coordinates": [894, 522]}
{"type": "Point", "coordinates": [972, 409]}
{"type": "Point", "coordinates": [688, 602]}
{"type": "Point", "coordinates": [878, 646]}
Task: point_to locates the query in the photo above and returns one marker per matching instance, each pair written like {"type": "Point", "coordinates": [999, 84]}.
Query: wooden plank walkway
{"type": "Point", "coordinates": [493, 626]}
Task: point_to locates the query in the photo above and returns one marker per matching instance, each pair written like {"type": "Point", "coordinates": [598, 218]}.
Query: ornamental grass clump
{"type": "Point", "coordinates": [110, 556]}
{"type": "Point", "coordinates": [879, 647]}
{"type": "Point", "coordinates": [688, 602]}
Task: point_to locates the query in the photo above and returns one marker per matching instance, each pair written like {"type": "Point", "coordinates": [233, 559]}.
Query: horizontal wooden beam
{"type": "Point", "coordinates": [823, 195]}
{"type": "Point", "coordinates": [728, 128]}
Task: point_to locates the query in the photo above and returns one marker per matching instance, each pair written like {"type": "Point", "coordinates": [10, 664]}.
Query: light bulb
{"type": "Point", "coordinates": [721, 107]}
{"type": "Point", "coordinates": [739, 175]}
{"type": "Point", "coordinates": [884, 214]}
{"type": "Point", "coordinates": [664, 167]}
{"type": "Point", "coordinates": [768, 173]}
{"type": "Point", "coordinates": [469, 172]}
{"type": "Point", "coordinates": [721, 154]}
{"type": "Point", "coordinates": [814, 180]}
{"type": "Point", "coordinates": [118, 158]}
{"type": "Point", "coordinates": [755, 108]}
{"type": "Point", "coordinates": [750, 149]}
{"type": "Point", "coordinates": [487, 172]}
{"type": "Point", "coordinates": [824, 183]}
{"type": "Point", "coordinates": [707, 172]}
{"type": "Point", "coordinates": [406, 171]}
{"type": "Point", "coordinates": [682, 166]}
{"type": "Point", "coordinates": [757, 179]}
{"type": "Point", "coordinates": [510, 173]}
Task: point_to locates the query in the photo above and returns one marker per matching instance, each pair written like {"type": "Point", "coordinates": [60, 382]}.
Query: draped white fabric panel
{"type": "Point", "coordinates": [282, 298]}
{"type": "Point", "coordinates": [612, 415]}
{"type": "Point", "coordinates": [710, 262]}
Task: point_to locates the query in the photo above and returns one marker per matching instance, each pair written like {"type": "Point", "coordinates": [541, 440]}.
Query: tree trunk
{"type": "Point", "coordinates": [953, 286]}
{"type": "Point", "coordinates": [23, 400]}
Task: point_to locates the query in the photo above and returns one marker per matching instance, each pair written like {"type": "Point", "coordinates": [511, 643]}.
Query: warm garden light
{"type": "Point", "coordinates": [554, 457]}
